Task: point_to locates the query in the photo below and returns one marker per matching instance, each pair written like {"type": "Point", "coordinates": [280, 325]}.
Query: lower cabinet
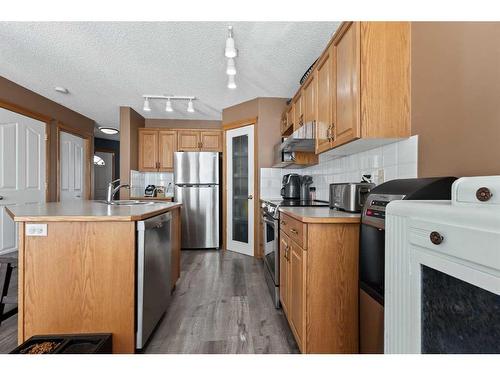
{"type": "Point", "coordinates": [319, 285]}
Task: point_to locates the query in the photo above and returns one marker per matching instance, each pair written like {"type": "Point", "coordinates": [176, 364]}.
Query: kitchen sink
{"type": "Point", "coordinates": [127, 203]}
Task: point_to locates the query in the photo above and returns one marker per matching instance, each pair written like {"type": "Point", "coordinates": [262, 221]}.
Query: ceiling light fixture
{"type": "Point", "coordinates": [230, 50]}
{"type": "Point", "coordinates": [231, 67]}
{"type": "Point", "coordinates": [168, 107]}
{"type": "Point", "coordinates": [109, 131]}
{"type": "Point", "coordinates": [146, 106]}
{"type": "Point", "coordinates": [231, 84]}
{"type": "Point", "coordinates": [190, 107]}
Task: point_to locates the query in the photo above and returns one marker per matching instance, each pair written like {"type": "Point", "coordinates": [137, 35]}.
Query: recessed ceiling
{"type": "Point", "coordinates": [105, 65]}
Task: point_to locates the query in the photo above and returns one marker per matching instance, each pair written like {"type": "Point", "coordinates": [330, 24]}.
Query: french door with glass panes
{"type": "Point", "coordinates": [240, 185]}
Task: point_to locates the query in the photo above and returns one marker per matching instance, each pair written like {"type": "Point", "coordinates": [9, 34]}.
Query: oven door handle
{"type": "Point", "coordinates": [271, 222]}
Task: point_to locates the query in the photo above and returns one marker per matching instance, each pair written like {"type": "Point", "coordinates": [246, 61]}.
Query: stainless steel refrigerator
{"type": "Point", "coordinates": [196, 186]}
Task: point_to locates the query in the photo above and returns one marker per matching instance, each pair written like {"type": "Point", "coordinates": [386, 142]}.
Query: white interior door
{"type": "Point", "coordinates": [72, 167]}
{"type": "Point", "coordinates": [240, 186]}
{"type": "Point", "coordinates": [103, 173]}
{"type": "Point", "coordinates": [22, 169]}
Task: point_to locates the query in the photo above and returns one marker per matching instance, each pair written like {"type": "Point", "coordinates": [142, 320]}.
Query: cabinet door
{"type": "Point", "coordinates": [167, 145]}
{"type": "Point", "coordinates": [309, 99]}
{"type": "Point", "coordinates": [289, 117]}
{"type": "Point", "coordinates": [148, 150]}
{"type": "Point", "coordinates": [284, 265]}
{"type": "Point", "coordinates": [298, 115]}
{"type": "Point", "coordinates": [211, 141]}
{"type": "Point", "coordinates": [324, 100]}
{"type": "Point", "coordinates": [297, 284]}
{"type": "Point", "coordinates": [347, 76]}
{"type": "Point", "coordinates": [188, 140]}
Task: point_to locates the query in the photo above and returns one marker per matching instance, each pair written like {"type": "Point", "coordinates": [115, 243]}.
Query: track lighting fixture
{"type": "Point", "coordinates": [190, 107]}
{"type": "Point", "coordinates": [168, 104]}
{"type": "Point", "coordinates": [230, 50]}
{"type": "Point", "coordinates": [231, 83]}
{"type": "Point", "coordinates": [168, 107]}
{"type": "Point", "coordinates": [146, 106]}
{"type": "Point", "coordinates": [231, 67]}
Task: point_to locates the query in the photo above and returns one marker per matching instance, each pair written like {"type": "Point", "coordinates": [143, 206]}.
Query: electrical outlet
{"type": "Point", "coordinates": [39, 230]}
{"type": "Point", "coordinates": [380, 176]}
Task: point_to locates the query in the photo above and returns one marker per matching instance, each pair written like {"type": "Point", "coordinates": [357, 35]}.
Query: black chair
{"type": "Point", "coordinates": [7, 265]}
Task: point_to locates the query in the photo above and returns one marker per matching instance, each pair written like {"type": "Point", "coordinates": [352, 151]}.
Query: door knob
{"type": "Point", "coordinates": [250, 196]}
{"type": "Point", "coordinates": [1, 197]}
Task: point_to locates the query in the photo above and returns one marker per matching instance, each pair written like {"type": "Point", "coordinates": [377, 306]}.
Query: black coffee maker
{"type": "Point", "coordinates": [291, 186]}
{"type": "Point", "coordinates": [150, 191]}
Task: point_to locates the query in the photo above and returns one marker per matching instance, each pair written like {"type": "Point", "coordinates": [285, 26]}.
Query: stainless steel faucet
{"type": "Point", "coordinates": [112, 190]}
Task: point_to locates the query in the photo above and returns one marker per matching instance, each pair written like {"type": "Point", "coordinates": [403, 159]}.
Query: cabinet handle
{"type": "Point", "coordinates": [436, 238]}
{"type": "Point", "coordinates": [294, 231]}
{"type": "Point", "coordinates": [483, 194]}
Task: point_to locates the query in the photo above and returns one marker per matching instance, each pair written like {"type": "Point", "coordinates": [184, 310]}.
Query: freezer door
{"type": "Point", "coordinates": [199, 216]}
{"type": "Point", "coordinates": [196, 168]}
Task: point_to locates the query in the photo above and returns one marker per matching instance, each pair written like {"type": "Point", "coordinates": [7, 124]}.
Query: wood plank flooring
{"type": "Point", "coordinates": [221, 305]}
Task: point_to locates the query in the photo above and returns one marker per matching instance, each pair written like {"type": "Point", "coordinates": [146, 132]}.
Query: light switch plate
{"type": "Point", "coordinates": [36, 230]}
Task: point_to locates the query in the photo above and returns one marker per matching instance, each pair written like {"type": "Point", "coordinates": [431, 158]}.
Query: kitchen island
{"type": "Point", "coordinates": [77, 267]}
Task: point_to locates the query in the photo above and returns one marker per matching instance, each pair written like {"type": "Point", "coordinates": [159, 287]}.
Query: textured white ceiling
{"type": "Point", "coordinates": [106, 65]}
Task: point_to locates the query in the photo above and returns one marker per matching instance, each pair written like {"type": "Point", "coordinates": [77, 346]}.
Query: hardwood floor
{"type": "Point", "coordinates": [221, 305]}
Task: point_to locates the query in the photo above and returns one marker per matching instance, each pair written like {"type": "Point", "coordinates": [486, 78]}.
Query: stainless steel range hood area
{"type": "Point", "coordinates": [301, 140]}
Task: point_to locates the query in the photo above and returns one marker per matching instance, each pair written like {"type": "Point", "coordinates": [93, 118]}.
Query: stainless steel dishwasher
{"type": "Point", "coordinates": [154, 249]}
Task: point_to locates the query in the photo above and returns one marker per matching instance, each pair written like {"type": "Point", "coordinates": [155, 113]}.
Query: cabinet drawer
{"type": "Point", "coordinates": [472, 244]}
{"type": "Point", "coordinates": [295, 229]}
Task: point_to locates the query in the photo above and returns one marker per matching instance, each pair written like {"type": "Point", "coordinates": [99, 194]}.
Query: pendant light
{"type": "Point", "coordinates": [146, 106]}
{"type": "Point", "coordinates": [231, 67]}
{"type": "Point", "coordinates": [168, 107]}
{"type": "Point", "coordinates": [190, 107]}
{"type": "Point", "coordinates": [231, 84]}
{"type": "Point", "coordinates": [230, 50]}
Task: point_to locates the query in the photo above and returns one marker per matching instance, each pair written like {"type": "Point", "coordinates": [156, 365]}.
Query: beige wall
{"type": "Point", "coordinates": [455, 97]}
{"type": "Point", "coordinates": [130, 122]}
{"type": "Point", "coordinates": [188, 124]}
{"type": "Point", "coordinates": [16, 97]}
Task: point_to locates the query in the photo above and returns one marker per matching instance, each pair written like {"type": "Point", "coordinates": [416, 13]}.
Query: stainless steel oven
{"type": "Point", "coordinates": [270, 236]}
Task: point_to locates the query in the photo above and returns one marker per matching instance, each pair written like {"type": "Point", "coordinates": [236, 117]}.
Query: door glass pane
{"type": "Point", "coordinates": [240, 188]}
{"type": "Point", "coordinates": [458, 317]}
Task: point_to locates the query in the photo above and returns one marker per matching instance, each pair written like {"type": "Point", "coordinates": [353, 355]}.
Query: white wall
{"type": "Point", "coordinates": [396, 160]}
{"type": "Point", "coordinates": [139, 181]}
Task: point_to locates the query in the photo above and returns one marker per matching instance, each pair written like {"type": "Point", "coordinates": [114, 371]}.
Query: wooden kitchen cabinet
{"type": "Point", "coordinates": [188, 140]}
{"type": "Point", "coordinates": [284, 271]}
{"type": "Point", "coordinates": [156, 150]}
{"type": "Point", "coordinates": [196, 140]}
{"type": "Point", "coordinates": [325, 109]}
{"type": "Point", "coordinates": [211, 141]}
{"type": "Point", "coordinates": [346, 126]}
{"type": "Point", "coordinates": [167, 145]}
{"type": "Point", "coordinates": [148, 150]}
{"type": "Point", "coordinates": [319, 282]}
{"type": "Point", "coordinates": [298, 111]}
{"type": "Point", "coordinates": [309, 99]}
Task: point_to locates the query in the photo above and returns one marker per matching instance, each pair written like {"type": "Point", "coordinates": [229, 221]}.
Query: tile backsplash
{"type": "Point", "coordinates": [139, 181]}
{"type": "Point", "coordinates": [395, 160]}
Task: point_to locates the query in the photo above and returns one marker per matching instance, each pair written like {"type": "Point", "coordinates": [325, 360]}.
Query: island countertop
{"type": "Point", "coordinates": [321, 215]}
{"type": "Point", "coordinates": [87, 210]}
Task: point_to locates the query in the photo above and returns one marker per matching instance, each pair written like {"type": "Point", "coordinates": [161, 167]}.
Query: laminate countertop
{"type": "Point", "coordinates": [87, 210]}
{"type": "Point", "coordinates": [320, 215]}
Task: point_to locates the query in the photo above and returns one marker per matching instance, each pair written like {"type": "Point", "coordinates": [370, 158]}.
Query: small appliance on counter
{"type": "Point", "coordinates": [150, 191]}
{"type": "Point", "coordinates": [291, 186]}
{"type": "Point", "coordinates": [160, 191]}
{"type": "Point", "coordinates": [349, 196]}
{"type": "Point", "coordinates": [372, 250]}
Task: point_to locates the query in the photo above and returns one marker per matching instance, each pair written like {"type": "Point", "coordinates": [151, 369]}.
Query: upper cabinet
{"type": "Point", "coordinates": [360, 86]}
{"type": "Point", "coordinates": [346, 126]}
{"type": "Point", "coordinates": [148, 150]}
{"type": "Point", "coordinates": [156, 150]}
{"type": "Point", "coordinates": [325, 101]}
{"type": "Point", "coordinates": [199, 140]}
